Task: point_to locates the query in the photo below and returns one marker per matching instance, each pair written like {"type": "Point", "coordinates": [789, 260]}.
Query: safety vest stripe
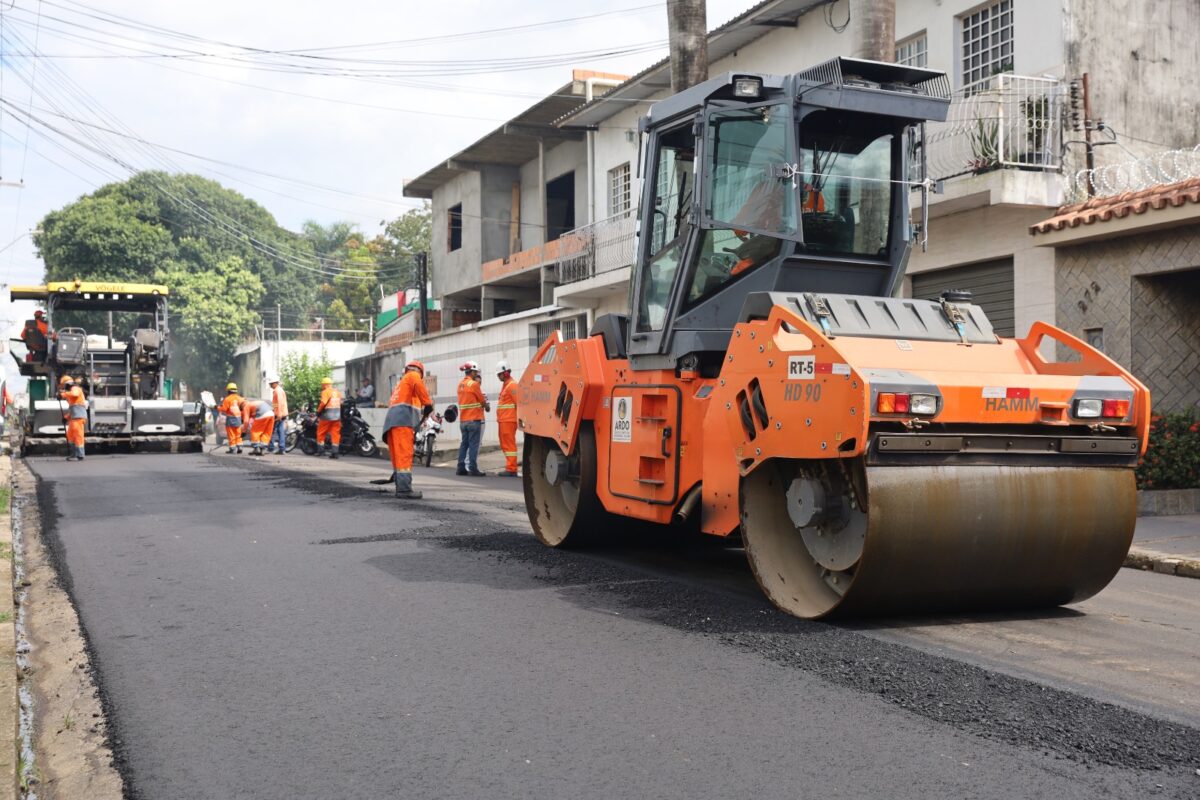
{"type": "Point", "coordinates": [513, 453]}
{"type": "Point", "coordinates": [470, 405]}
{"type": "Point", "coordinates": [404, 470]}
{"type": "Point", "coordinates": [506, 405]}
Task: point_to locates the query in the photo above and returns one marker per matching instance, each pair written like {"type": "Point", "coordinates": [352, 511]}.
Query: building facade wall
{"type": "Point", "coordinates": [1141, 293]}
{"type": "Point", "coordinates": [1139, 56]}
{"type": "Point", "coordinates": [452, 271]}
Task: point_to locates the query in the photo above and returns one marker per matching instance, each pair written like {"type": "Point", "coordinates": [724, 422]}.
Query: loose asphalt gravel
{"type": "Point", "coordinates": [267, 634]}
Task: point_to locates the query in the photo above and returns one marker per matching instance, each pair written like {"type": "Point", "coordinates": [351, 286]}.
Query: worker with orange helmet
{"type": "Point", "coordinates": [408, 407]}
{"type": "Point", "coordinates": [329, 418]}
{"type": "Point", "coordinates": [231, 409]}
{"type": "Point", "coordinates": [471, 406]}
{"type": "Point", "coordinates": [506, 417]}
{"type": "Point", "coordinates": [75, 415]}
{"type": "Point", "coordinates": [258, 417]}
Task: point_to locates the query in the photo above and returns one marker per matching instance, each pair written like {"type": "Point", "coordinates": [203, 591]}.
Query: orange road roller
{"type": "Point", "coordinates": [875, 453]}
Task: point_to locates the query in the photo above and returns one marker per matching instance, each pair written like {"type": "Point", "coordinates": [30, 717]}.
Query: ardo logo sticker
{"type": "Point", "coordinates": [622, 420]}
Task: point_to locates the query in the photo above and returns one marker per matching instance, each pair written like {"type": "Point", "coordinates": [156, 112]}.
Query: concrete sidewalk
{"type": "Point", "coordinates": [1167, 544]}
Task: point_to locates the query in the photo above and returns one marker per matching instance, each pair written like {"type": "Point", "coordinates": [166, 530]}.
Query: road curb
{"type": "Point", "coordinates": [1162, 563]}
{"type": "Point", "coordinates": [9, 760]}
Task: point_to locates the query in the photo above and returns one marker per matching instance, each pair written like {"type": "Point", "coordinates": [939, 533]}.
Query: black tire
{"type": "Point", "coordinates": [367, 448]}
{"type": "Point", "coordinates": [308, 446]}
{"type": "Point", "coordinates": [429, 451]}
{"type": "Point", "coordinates": [569, 514]}
{"type": "Point", "coordinates": [290, 441]}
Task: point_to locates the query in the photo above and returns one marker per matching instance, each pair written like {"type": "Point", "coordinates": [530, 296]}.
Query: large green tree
{"type": "Point", "coordinates": [223, 256]}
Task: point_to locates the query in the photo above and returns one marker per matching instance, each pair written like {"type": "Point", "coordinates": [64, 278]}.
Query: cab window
{"type": "Point", "coordinates": [674, 180]}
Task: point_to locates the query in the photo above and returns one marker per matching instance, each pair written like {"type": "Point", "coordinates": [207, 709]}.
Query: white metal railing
{"type": "Point", "coordinates": [1003, 121]}
{"type": "Point", "coordinates": [1169, 166]}
{"type": "Point", "coordinates": [604, 246]}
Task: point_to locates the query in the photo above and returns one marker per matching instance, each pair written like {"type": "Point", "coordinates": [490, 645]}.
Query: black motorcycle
{"type": "Point", "coordinates": [356, 435]}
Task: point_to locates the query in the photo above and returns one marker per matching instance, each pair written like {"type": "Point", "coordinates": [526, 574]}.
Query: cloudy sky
{"type": "Point", "coordinates": [373, 91]}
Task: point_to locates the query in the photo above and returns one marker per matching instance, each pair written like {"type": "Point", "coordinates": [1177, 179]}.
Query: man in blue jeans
{"type": "Point", "coordinates": [471, 407]}
{"type": "Point", "coordinates": [279, 403]}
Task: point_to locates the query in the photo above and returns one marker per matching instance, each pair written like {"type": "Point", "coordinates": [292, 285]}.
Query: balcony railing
{"type": "Point", "coordinates": [1002, 122]}
{"type": "Point", "coordinates": [603, 246]}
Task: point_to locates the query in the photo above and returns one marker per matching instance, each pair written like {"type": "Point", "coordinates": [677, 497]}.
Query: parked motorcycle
{"type": "Point", "coordinates": [424, 440]}
{"type": "Point", "coordinates": [356, 435]}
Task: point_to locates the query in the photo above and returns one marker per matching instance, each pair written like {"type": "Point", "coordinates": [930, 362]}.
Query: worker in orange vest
{"type": "Point", "coordinates": [471, 406]}
{"type": "Point", "coordinates": [280, 405]}
{"type": "Point", "coordinates": [75, 416]}
{"type": "Point", "coordinates": [329, 418]}
{"type": "Point", "coordinates": [258, 417]}
{"type": "Point", "coordinates": [36, 336]}
{"type": "Point", "coordinates": [231, 409]}
{"type": "Point", "coordinates": [506, 417]}
{"type": "Point", "coordinates": [408, 407]}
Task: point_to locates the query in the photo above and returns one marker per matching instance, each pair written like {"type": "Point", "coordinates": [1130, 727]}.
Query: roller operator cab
{"type": "Point", "coordinates": [113, 339]}
{"type": "Point", "coordinates": [875, 453]}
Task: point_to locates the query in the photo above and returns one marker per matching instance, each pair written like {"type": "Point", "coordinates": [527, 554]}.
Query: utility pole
{"type": "Point", "coordinates": [876, 29]}
{"type": "Point", "coordinates": [1090, 149]}
{"type": "Point", "coordinates": [688, 33]}
{"type": "Point", "coordinates": [422, 299]}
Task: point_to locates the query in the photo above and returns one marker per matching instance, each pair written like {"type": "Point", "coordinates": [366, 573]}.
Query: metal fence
{"type": "Point", "coordinates": [606, 245]}
{"type": "Point", "coordinates": [1004, 121]}
{"type": "Point", "coordinates": [1169, 166]}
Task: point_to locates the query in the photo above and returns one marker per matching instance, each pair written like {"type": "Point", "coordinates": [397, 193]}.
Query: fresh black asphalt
{"type": "Point", "coordinates": [259, 634]}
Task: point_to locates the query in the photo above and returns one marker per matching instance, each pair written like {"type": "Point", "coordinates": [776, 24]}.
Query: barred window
{"type": "Point", "coordinates": [618, 189]}
{"type": "Point", "coordinates": [570, 328]}
{"type": "Point", "coordinates": [987, 42]}
{"type": "Point", "coordinates": [913, 51]}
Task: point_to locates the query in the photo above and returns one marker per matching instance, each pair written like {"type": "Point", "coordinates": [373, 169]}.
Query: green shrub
{"type": "Point", "coordinates": [301, 377]}
{"type": "Point", "coordinates": [1172, 460]}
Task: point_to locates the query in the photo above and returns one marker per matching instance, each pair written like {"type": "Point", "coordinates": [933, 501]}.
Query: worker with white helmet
{"type": "Point", "coordinates": [471, 406]}
{"type": "Point", "coordinates": [506, 417]}
{"type": "Point", "coordinates": [278, 441]}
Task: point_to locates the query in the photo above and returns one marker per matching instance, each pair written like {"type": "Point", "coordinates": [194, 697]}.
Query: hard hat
{"type": "Point", "coordinates": [65, 379]}
{"type": "Point", "coordinates": [470, 366]}
{"type": "Point", "coordinates": [232, 387]}
{"type": "Point", "coordinates": [326, 381]}
{"type": "Point", "coordinates": [502, 366]}
{"type": "Point", "coordinates": [39, 313]}
{"type": "Point", "coordinates": [414, 364]}
{"type": "Point", "coordinates": [272, 379]}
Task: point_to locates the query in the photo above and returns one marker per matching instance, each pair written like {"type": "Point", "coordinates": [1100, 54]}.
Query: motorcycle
{"type": "Point", "coordinates": [356, 435]}
{"type": "Point", "coordinates": [424, 440]}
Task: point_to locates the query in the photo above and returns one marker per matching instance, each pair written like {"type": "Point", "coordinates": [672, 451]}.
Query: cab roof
{"type": "Point", "coordinates": [98, 290]}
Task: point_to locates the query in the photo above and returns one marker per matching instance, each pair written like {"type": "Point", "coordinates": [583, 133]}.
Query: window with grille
{"type": "Point", "coordinates": [570, 328]}
{"type": "Point", "coordinates": [987, 42]}
{"type": "Point", "coordinates": [618, 189]}
{"type": "Point", "coordinates": [912, 52]}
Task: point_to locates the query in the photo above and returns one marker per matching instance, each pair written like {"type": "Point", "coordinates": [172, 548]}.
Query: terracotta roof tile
{"type": "Point", "coordinates": [1102, 209]}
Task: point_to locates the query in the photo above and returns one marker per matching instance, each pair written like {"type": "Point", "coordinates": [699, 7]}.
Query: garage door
{"type": "Point", "coordinates": [990, 284]}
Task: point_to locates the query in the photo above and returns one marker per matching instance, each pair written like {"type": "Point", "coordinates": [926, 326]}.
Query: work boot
{"type": "Point", "coordinates": [508, 474]}
{"type": "Point", "coordinates": [409, 494]}
{"type": "Point", "coordinates": [230, 450]}
{"type": "Point", "coordinates": [334, 454]}
{"type": "Point", "coordinates": [239, 450]}
{"type": "Point", "coordinates": [477, 474]}
{"type": "Point", "coordinates": [461, 471]}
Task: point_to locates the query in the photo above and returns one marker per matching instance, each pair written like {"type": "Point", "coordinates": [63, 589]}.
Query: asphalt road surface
{"type": "Point", "coordinates": [275, 628]}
